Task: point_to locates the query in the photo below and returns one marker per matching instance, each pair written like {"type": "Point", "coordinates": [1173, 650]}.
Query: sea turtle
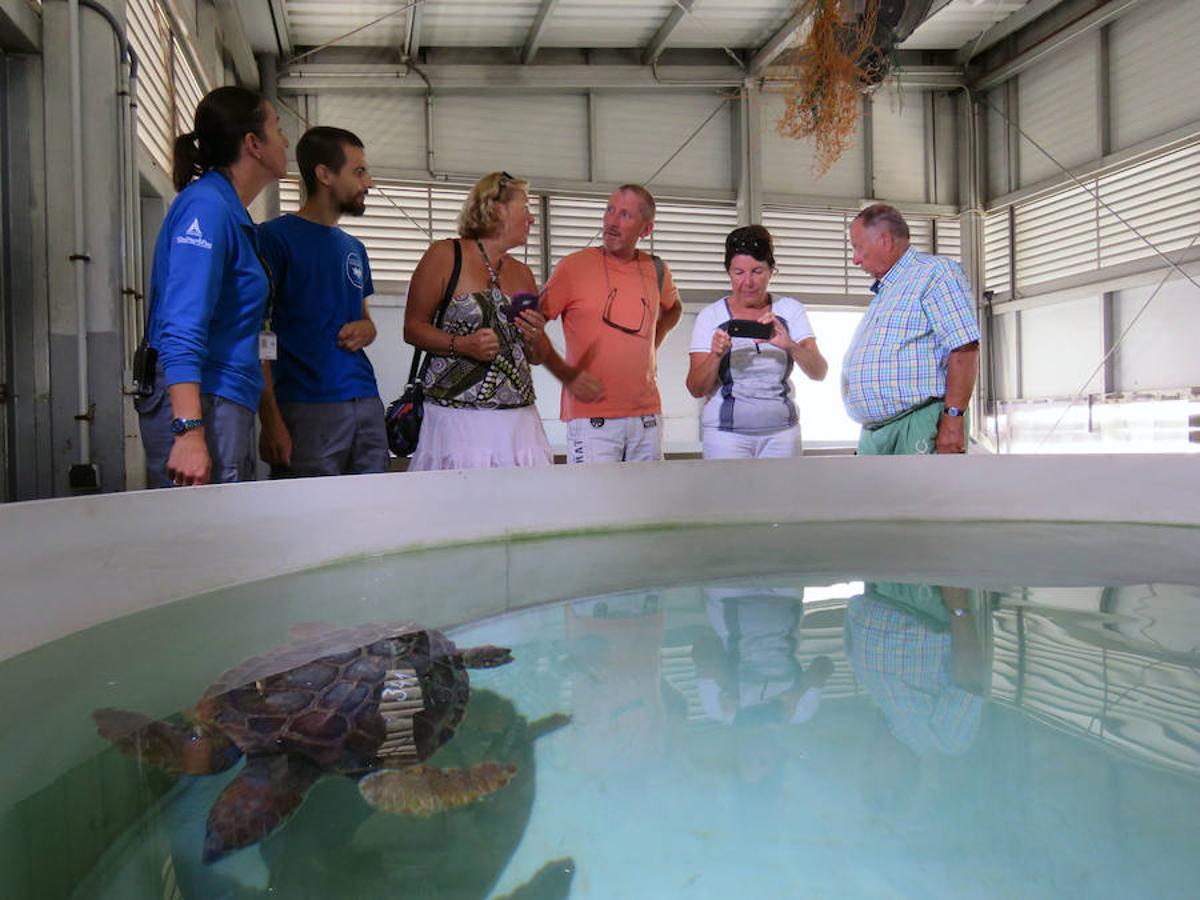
{"type": "Point", "coordinates": [370, 703]}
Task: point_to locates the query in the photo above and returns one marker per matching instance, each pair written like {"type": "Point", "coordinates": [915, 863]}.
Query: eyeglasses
{"type": "Point", "coordinates": [606, 315]}
{"type": "Point", "coordinates": [505, 181]}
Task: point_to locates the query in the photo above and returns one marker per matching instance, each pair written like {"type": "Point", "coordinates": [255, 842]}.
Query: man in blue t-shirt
{"type": "Point", "coordinates": [320, 409]}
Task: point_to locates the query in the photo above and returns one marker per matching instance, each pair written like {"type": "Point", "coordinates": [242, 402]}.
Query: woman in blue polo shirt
{"type": "Point", "coordinates": [208, 295]}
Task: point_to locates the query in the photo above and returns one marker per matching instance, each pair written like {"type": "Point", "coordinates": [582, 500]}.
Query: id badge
{"type": "Point", "coordinates": [268, 347]}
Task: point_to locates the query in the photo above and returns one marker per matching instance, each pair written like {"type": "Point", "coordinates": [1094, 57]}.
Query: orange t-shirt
{"type": "Point", "coordinates": [610, 314]}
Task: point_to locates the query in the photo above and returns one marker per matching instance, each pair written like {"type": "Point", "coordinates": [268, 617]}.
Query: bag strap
{"type": "Point", "coordinates": [417, 362]}
{"type": "Point", "coordinates": [660, 270]}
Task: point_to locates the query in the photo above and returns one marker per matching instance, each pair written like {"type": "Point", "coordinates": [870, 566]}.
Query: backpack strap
{"type": "Point", "coordinates": [417, 366]}
{"type": "Point", "coordinates": [660, 270]}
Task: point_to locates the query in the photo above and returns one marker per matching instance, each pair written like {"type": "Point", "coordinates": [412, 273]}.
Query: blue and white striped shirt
{"type": "Point", "coordinates": [897, 358]}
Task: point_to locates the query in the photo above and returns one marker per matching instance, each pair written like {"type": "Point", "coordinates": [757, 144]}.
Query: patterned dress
{"type": "Point", "coordinates": [504, 383]}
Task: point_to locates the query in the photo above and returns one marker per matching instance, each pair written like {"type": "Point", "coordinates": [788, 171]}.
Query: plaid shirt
{"type": "Point", "coordinates": [897, 359]}
{"type": "Point", "coordinates": [905, 666]}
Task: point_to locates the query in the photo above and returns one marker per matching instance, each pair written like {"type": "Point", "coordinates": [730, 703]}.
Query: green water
{"type": "Point", "coordinates": [805, 717]}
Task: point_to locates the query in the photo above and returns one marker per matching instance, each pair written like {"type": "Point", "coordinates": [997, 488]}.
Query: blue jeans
{"type": "Point", "coordinates": [228, 431]}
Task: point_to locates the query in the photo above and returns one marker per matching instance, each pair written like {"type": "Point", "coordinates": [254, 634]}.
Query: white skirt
{"type": "Point", "coordinates": [480, 439]}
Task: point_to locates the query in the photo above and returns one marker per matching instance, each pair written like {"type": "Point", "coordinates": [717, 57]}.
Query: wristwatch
{"type": "Point", "coordinates": [954, 412]}
{"type": "Point", "coordinates": [183, 426]}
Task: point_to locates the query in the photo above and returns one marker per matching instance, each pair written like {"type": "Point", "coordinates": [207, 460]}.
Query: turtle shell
{"type": "Point", "coordinates": [340, 703]}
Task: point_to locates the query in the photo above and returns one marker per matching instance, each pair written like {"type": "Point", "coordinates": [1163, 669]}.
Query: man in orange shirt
{"type": "Point", "coordinates": [617, 304]}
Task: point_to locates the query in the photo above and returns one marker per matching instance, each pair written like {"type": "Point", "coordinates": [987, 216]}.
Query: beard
{"type": "Point", "coordinates": [355, 206]}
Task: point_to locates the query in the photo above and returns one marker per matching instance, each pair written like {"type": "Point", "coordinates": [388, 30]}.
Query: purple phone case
{"type": "Point", "coordinates": [521, 302]}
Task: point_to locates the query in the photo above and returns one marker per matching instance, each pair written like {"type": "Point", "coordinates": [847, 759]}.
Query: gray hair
{"type": "Point", "coordinates": [887, 215]}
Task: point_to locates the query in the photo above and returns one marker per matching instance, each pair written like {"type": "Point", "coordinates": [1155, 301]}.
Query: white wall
{"type": "Point", "coordinates": [1159, 351]}
{"type": "Point", "coordinates": [1060, 346]}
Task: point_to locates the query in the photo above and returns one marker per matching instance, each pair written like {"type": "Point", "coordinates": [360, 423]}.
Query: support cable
{"type": "Point", "coordinates": [1082, 392]}
{"type": "Point", "coordinates": [300, 117]}
{"type": "Point", "coordinates": [691, 137]}
{"type": "Point", "coordinates": [1095, 195]}
{"type": "Point", "coordinates": [363, 27]}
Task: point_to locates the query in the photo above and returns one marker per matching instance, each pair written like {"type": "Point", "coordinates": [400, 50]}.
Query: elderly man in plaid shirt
{"type": "Point", "coordinates": [910, 369]}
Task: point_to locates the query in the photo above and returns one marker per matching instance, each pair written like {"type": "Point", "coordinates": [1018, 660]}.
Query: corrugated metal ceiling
{"type": "Point", "coordinates": [960, 22]}
{"type": "Point", "coordinates": [598, 23]}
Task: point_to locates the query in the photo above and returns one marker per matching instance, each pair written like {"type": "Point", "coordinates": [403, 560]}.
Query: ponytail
{"type": "Point", "coordinates": [223, 119]}
{"type": "Point", "coordinates": [185, 158]}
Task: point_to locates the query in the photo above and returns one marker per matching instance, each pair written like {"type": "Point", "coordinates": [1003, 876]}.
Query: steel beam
{"type": "Point", "coordinates": [283, 31]}
{"type": "Point", "coordinates": [499, 78]}
{"type": "Point", "coordinates": [233, 33]}
{"type": "Point", "coordinates": [20, 27]}
{"type": "Point", "coordinates": [537, 31]}
{"type": "Point", "coordinates": [1109, 12]}
{"type": "Point", "coordinates": [1012, 23]}
{"type": "Point", "coordinates": [503, 78]}
{"type": "Point", "coordinates": [795, 29]}
{"type": "Point", "coordinates": [659, 42]}
{"type": "Point", "coordinates": [412, 34]}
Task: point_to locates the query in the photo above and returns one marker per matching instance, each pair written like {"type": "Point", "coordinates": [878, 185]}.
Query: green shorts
{"type": "Point", "coordinates": [913, 433]}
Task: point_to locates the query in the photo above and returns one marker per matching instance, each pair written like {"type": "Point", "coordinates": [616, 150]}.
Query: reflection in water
{"type": "Point", "coordinates": [616, 686]}
{"type": "Point", "coordinates": [747, 670]}
{"type": "Point", "coordinates": [346, 849]}
{"type": "Point", "coordinates": [739, 738]}
{"type": "Point", "coordinates": [915, 649]}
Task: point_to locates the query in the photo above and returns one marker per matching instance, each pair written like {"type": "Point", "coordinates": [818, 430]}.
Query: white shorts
{"type": "Point", "coordinates": [719, 444]}
{"type": "Point", "coordinates": [480, 439]}
{"type": "Point", "coordinates": [628, 439]}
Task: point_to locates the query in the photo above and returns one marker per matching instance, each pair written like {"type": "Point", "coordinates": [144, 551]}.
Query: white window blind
{"type": "Point", "coordinates": [996, 243]}
{"type": "Point", "coordinates": [1070, 233]}
{"type": "Point", "coordinates": [1056, 236]}
{"type": "Point", "coordinates": [690, 238]}
{"type": "Point", "coordinates": [151, 40]}
{"type": "Point", "coordinates": [692, 241]}
{"type": "Point", "coordinates": [169, 89]}
{"type": "Point", "coordinates": [575, 223]}
{"type": "Point", "coordinates": [1160, 198]}
{"type": "Point", "coordinates": [920, 234]}
{"type": "Point", "coordinates": [187, 87]}
{"type": "Point", "coordinates": [813, 253]}
{"type": "Point", "coordinates": [949, 238]}
{"type": "Point", "coordinates": [403, 219]}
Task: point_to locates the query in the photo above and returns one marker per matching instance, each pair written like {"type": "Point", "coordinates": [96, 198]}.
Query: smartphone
{"type": "Point", "coordinates": [748, 328]}
{"type": "Point", "coordinates": [520, 302]}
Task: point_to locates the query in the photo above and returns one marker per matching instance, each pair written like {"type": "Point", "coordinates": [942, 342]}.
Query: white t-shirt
{"type": "Point", "coordinates": [754, 387]}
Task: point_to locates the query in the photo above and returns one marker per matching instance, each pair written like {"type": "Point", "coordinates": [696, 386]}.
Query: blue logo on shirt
{"type": "Point", "coordinates": [354, 269]}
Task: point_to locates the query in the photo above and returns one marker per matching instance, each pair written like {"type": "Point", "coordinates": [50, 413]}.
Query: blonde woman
{"type": "Point", "coordinates": [479, 400]}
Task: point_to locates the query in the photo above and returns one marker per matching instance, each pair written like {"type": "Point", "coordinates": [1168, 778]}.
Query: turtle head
{"type": "Point", "coordinates": [486, 657]}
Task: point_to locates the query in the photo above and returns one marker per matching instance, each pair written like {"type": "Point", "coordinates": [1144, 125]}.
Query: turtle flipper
{"type": "Point", "coordinates": [423, 790]}
{"type": "Point", "coordinates": [548, 725]}
{"type": "Point", "coordinates": [485, 657]}
{"type": "Point", "coordinates": [142, 738]}
{"type": "Point", "coordinates": [260, 799]}
{"type": "Point", "coordinates": [551, 882]}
